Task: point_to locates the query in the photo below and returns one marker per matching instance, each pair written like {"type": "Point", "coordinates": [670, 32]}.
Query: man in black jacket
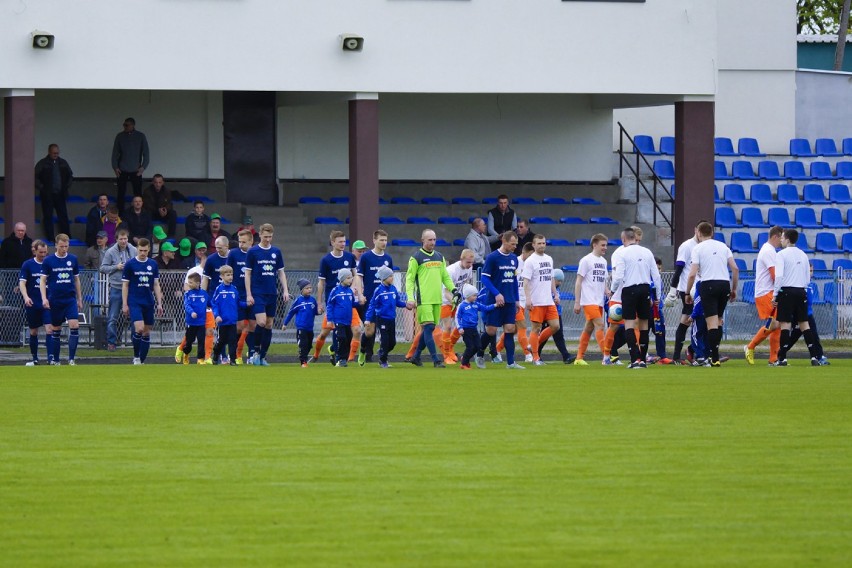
{"type": "Point", "coordinates": [198, 224]}
{"type": "Point", "coordinates": [138, 222]}
{"type": "Point", "coordinates": [53, 177]}
{"type": "Point", "coordinates": [95, 219]}
{"type": "Point", "coordinates": [15, 250]}
{"type": "Point", "coordinates": [500, 219]}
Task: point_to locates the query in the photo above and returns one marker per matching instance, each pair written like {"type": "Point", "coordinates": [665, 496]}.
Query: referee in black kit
{"type": "Point", "coordinates": [711, 261]}
{"type": "Point", "coordinates": [634, 270]}
{"type": "Point", "coordinates": [792, 274]}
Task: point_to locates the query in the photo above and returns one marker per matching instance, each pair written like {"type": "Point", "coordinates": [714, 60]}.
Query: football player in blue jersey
{"type": "Point", "coordinates": [499, 278]}
{"type": "Point", "coordinates": [264, 269]}
{"type": "Point", "coordinates": [60, 287]}
{"type": "Point", "coordinates": [368, 267]}
{"type": "Point", "coordinates": [36, 314]}
{"type": "Point", "coordinates": [140, 283]}
{"type": "Point", "coordinates": [245, 317]}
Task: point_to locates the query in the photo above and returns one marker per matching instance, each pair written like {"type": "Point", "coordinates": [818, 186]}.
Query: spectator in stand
{"type": "Point", "coordinates": [113, 266]}
{"type": "Point", "coordinates": [248, 225]}
{"type": "Point", "coordinates": [216, 230]}
{"type": "Point", "coordinates": [130, 157]}
{"type": "Point", "coordinates": [185, 256]}
{"type": "Point", "coordinates": [16, 248]}
{"type": "Point", "coordinates": [160, 237]}
{"type": "Point", "coordinates": [198, 259]}
{"type": "Point", "coordinates": [166, 260]}
{"type": "Point", "coordinates": [524, 235]}
{"type": "Point", "coordinates": [158, 202]}
{"type": "Point", "coordinates": [95, 219]}
{"type": "Point", "coordinates": [53, 177]}
{"type": "Point", "coordinates": [477, 241]}
{"type": "Point", "coordinates": [198, 224]}
{"type": "Point", "coordinates": [95, 255]}
{"type": "Point", "coordinates": [111, 224]}
{"type": "Point", "coordinates": [138, 222]}
{"type": "Point", "coordinates": [500, 219]}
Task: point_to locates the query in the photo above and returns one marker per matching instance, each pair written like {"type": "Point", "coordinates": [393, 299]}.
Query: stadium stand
{"type": "Point", "coordinates": [311, 199]}
{"type": "Point", "coordinates": [805, 218]}
{"type": "Point", "coordinates": [832, 218]}
{"type": "Point", "coordinates": [602, 221]}
{"type": "Point", "coordinates": [795, 171]}
{"type": "Point", "coordinates": [388, 220]}
{"type": "Point", "coordinates": [742, 169]}
{"type": "Point", "coordinates": [327, 221]}
{"type": "Point", "coordinates": [726, 218]}
{"type": "Point", "coordinates": [761, 193]}
{"type": "Point", "coordinates": [801, 148]}
{"type": "Point", "coordinates": [827, 243]}
{"type": "Point", "coordinates": [768, 170]}
{"type": "Point", "coordinates": [554, 201]}
{"type": "Point", "coordinates": [541, 220]}
{"type": "Point", "coordinates": [822, 170]}
{"type": "Point", "coordinates": [340, 199]}
{"type": "Point", "coordinates": [434, 201]}
{"type": "Point", "coordinates": [826, 147]}
{"type": "Point", "coordinates": [814, 193]}
{"type": "Point", "coordinates": [839, 193]}
{"type": "Point", "coordinates": [749, 147]}
{"type": "Point", "coordinates": [403, 200]}
{"type": "Point", "coordinates": [844, 170]}
{"type": "Point", "coordinates": [524, 201]}
{"type": "Point", "coordinates": [585, 201]}
{"type": "Point", "coordinates": [741, 242]}
{"type": "Point", "coordinates": [788, 194]}
{"type": "Point", "coordinates": [667, 145]}
{"type": "Point", "coordinates": [734, 193]}
{"type": "Point", "coordinates": [721, 171]}
{"type": "Point", "coordinates": [664, 169]}
{"type": "Point", "coordinates": [645, 144]}
{"type": "Point", "coordinates": [572, 221]}
{"type": "Point", "coordinates": [752, 217]}
{"type": "Point", "coordinates": [724, 147]}
{"type": "Point", "coordinates": [450, 221]}
{"type": "Point", "coordinates": [779, 216]}
{"type": "Point", "coordinates": [465, 201]}
{"type": "Point", "coordinates": [417, 220]}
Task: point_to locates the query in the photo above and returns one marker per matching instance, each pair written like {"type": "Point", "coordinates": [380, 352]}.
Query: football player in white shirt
{"type": "Point", "coordinates": [792, 274]}
{"type": "Point", "coordinates": [540, 291]}
{"type": "Point", "coordinates": [589, 294]}
{"type": "Point", "coordinates": [712, 260]}
{"type": "Point", "coordinates": [764, 285]}
{"type": "Point", "coordinates": [678, 290]}
{"type": "Point", "coordinates": [461, 273]}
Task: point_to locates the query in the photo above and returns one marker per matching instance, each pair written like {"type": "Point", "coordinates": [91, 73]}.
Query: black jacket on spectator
{"type": "Point", "coordinates": [14, 252]}
{"type": "Point", "coordinates": [198, 227]}
{"type": "Point", "coordinates": [139, 226]}
{"type": "Point", "coordinates": [44, 175]}
{"type": "Point", "coordinates": [94, 223]}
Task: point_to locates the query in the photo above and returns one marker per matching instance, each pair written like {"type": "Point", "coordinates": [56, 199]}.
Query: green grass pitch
{"type": "Point", "coordinates": [166, 465]}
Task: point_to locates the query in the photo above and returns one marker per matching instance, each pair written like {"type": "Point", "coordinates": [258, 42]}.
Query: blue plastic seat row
{"type": "Point", "coordinates": [814, 193]}
{"type": "Point", "coordinates": [803, 217]}
{"type": "Point", "coordinates": [316, 200]}
{"type": "Point", "coordinates": [741, 242]}
{"type": "Point", "coordinates": [801, 147]}
{"type": "Point", "coordinates": [766, 170]}
{"type": "Point", "coordinates": [722, 146]}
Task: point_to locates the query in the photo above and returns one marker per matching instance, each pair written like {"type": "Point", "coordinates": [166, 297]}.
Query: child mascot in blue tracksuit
{"type": "Point", "coordinates": [225, 304]}
{"type": "Point", "coordinates": [467, 320]}
{"type": "Point", "coordinates": [305, 309]}
{"type": "Point", "coordinates": [339, 307]}
{"type": "Point", "coordinates": [195, 302]}
{"type": "Point", "coordinates": [382, 310]}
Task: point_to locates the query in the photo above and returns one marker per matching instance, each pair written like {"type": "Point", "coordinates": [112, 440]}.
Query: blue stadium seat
{"type": "Point", "coordinates": [327, 221]}
{"type": "Point", "coordinates": [664, 169]}
{"type": "Point", "coordinates": [554, 201]}
{"type": "Point", "coordinates": [761, 239]}
{"type": "Point", "coordinates": [822, 170]}
{"type": "Point", "coordinates": [814, 193]}
{"type": "Point", "coordinates": [450, 221]}
{"type": "Point", "coordinates": [383, 201]}
{"type": "Point", "coordinates": [201, 198]}
{"type": "Point", "coordinates": [434, 201]}
{"type": "Point", "coordinates": [419, 221]}
{"type": "Point", "coordinates": [802, 244]}
{"type": "Point", "coordinates": [340, 199]}
{"type": "Point", "coordinates": [572, 221]}
{"type": "Point", "coordinates": [583, 242]}
{"type": "Point", "coordinates": [779, 216]}
{"type": "Point", "coordinates": [402, 200]}
{"type": "Point", "coordinates": [81, 219]}
{"type": "Point", "coordinates": [741, 264]}
{"type": "Point", "coordinates": [761, 193]}
{"type": "Point", "coordinates": [816, 299]}
{"type": "Point", "coordinates": [716, 198]}
{"type": "Point", "coordinates": [832, 218]}
{"type": "Point", "coordinates": [391, 221]}
{"type": "Point", "coordinates": [465, 201]}
{"type": "Point", "coordinates": [752, 217]}
{"type": "Point", "coordinates": [719, 237]}
{"type": "Point", "coordinates": [826, 147]}
{"type": "Point", "coordinates": [585, 201]}
{"type": "Point", "coordinates": [724, 147]}
{"type": "Point", "coordinates": [846, 242]}
{"type": "Point", "coordinates": [543, 221]}
{"type": "Point", "coordinates": [180, 219]}
{"type": "Point", "coordinates": [489, 200]}
{"type": "Point", "coordinates": [525, 201]}
{"type": "Point", "coordinates": [827, 243]}
{"type": "Point", "coordinates": [309, 199]}
{"type": "Point", "coordinates": [404, 243]}
{"type": "Point", "coordinates": [795, 171]}
{"type": "Point", "coordinates": [788, 194]}
{"type": "Point", "coordinates": [726, 218]}
{"type": "Point", "coordinates": [749, 147]}
{"type": "Point", "coordinates": [559, 243]}
{"type": "Point", "coordinates": [602, 221]}
{"type": "Point", "coordinates": [846, 146]}
{"type": "Point", "coordinates": [667, 145]}
{"type": "Point", "coordinates": [94, 199]}
{"type": "Point", "coordinates": [76, 199]}
{"type": "Point", "coordinates": [801, 148]}
{"type": "Point", "coordinates": [818, 263]}
{"type": "Point", "coordinates": [734, 193]}
{"type": "Point", "coordinates": [741, 242]}
{"type": "Point", "coordinates": [76, 243]}
{"type": "Point", "coordinates": [720, 170]}
{"type": "Point", "coordinates": [805, 218]}
{"type": "Point", "coordinates": [842, 264]}
{"type": "Point", "coordinates": [748, 291]}
{"type": "Point", "coordinates": [614, 242]}
{"type": "Point", "coordinates": [839, 193]}
{"type": "Point", "coordinates": [768, 170]}
{"type": "Point", "coordinates": [844, 170]}
{"type": "Point", "coordinates": [458, 242]}
{"type": "Point", "coordinates": [742, 169]}
{"type": "Point", "coordinates": [829, 293]}
{"type": "Point", "coordinates": [645, 144]}
{"type": "Point", "coordinates": [443, 243]}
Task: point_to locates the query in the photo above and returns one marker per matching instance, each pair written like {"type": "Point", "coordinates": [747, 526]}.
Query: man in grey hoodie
{"type": "Point", "coordinates": [113, 266]}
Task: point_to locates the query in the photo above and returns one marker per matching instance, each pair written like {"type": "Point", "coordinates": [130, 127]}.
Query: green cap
{"type": "Point", "coordinates": [359, 245]}
{"type": "Point", "coordinates": [185, 247]}
{"type": "Point", "coordinates": [159, 233]}
{"type": "Point", "coordinates": [215, 216]}
{"type": "Point", "coordinates": [168, 247]}
{"type": "Point", "coordinates": [200, 245]}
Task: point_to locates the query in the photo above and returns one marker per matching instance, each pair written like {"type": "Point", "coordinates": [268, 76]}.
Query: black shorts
{"type": "Point", "coordinates": [792, 305]}
{"type": "Point", "coordinates": [685, 309]}
{"type": "Point", "coordinates": [714, 297]}
{"type": "Point", "coordinates": [636, 302]}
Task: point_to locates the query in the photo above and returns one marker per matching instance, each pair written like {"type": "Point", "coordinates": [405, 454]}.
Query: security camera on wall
{"type": "Point", "coordinates": [351, 42]}
{"type": "Point", "coordinates": [42, 40]}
